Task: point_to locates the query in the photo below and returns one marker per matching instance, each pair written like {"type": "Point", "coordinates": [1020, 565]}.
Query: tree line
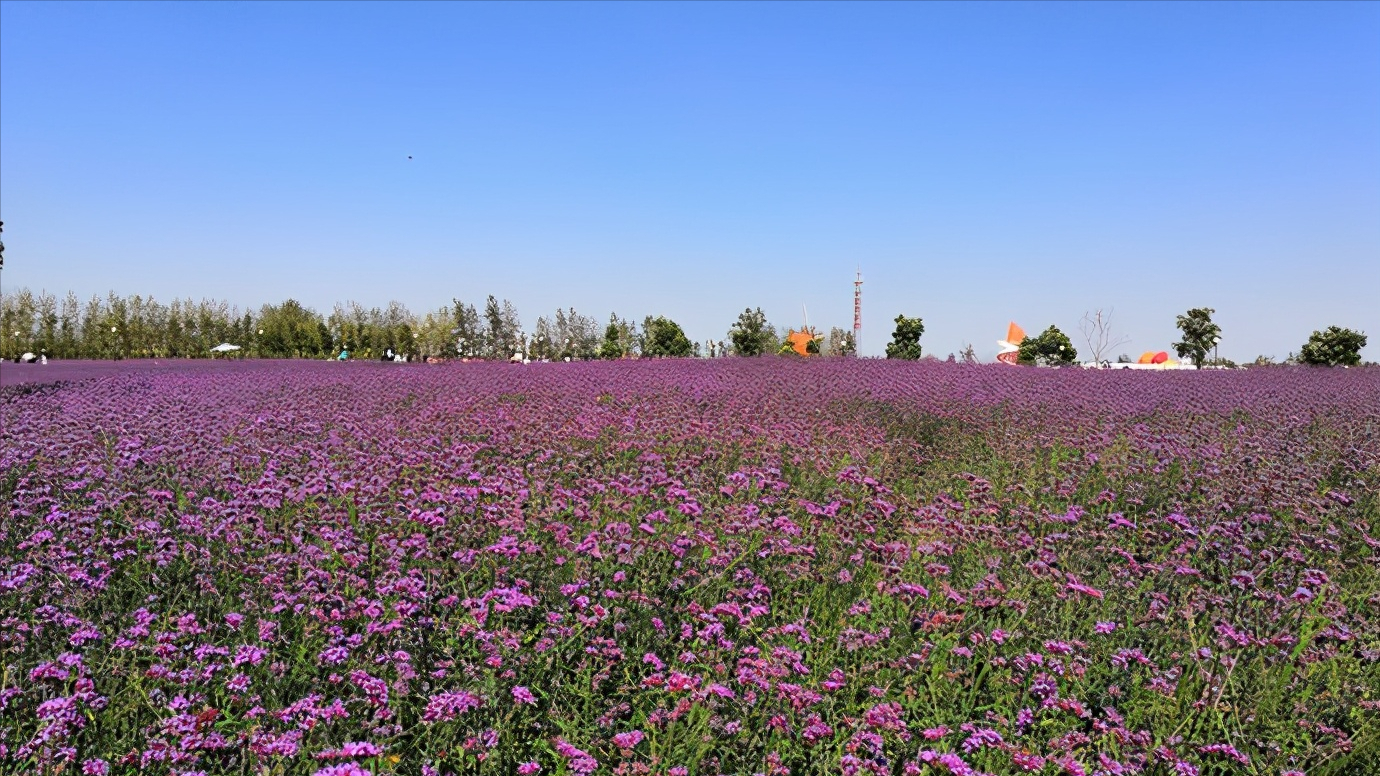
{"type": "Point", "coordinates": [115, 327]}
{"type": "Point", "coordinates": [118, 327]}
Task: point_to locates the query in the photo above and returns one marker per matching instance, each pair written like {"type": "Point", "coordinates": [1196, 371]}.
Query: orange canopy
{"type": "Point", "coordinates": [800, 341]}
{"type": "Point", "coordinates": [1014, 334]}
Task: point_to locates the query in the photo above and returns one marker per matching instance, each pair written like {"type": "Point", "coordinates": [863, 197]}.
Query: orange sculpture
{"type": "Point", "coordinates": [1011, 346]}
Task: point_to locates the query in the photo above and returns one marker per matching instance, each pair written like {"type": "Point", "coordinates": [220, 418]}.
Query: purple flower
{"type": "Point", "coordinates": [334, 655]}
{"type": "Point", "coordinates": [948, 761]}
{"type": "Point", "coordinates": [449, 705]}
{"type": "Point", "coordinates": [578, 760]}
{"type": "Point", "coordinates": [344, 769]}
{"type": "Point", "coordinates": [885, 716]}
{"type": "Point", "coordinates": [352, 749]}
{"type": "Point", "coordinates": [981, 737]}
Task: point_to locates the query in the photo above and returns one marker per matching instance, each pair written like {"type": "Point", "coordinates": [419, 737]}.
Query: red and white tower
{"type": "Point", "coordinates": [857, 312]}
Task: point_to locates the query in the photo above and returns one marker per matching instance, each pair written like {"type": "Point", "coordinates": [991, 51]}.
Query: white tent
{"type": "Point", "coordinates": [224, 347]}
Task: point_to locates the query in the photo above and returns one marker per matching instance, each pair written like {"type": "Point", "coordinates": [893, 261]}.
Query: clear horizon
{"type": "Point", "coordinates": [981, 163]}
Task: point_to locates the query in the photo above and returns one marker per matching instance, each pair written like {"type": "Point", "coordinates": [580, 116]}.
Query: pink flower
{"type": "Point", "coordinates": [523, 695]}
{"type": "Point", "coordinates": [628, 740]}
{"type": "Point", "coordinates": [1085, 590]}
{"type": "Point", "coordinates": [529, 768]}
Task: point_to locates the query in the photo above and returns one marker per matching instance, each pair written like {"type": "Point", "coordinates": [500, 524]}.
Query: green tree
{"type": "Point", "coordinates": [1051, 348]}
{"type": "Point", "coordinates": [69, 328]}
{"type": "Point", "coordinates": [502, 330]}
{"type": "Point", "coordinates": [905, 340]}
{"type": "Point", "coordinates": [467, 331]}
{"type": "Point", "coordinates": [17, 323]}
{"type": "Point", "coordinates": [840, 343]}
{"type": "Point", "coordinates": [289, 331]}
{"type": "Point", "coordinates": [48, 319]}
{"type": "Point", "coordinates": [612, 349]}
{"type": "Point", "coordinates": [1334, 347]}
{"type": "Point", "coordinates": [434, 330]}
{"type": "Point", "coordinates": [1200, 334]}
{"type": "Point", "coordinates": [498, 344]}
{"type": "Point", "coordinates": [627, 333]}
{"type": "Point", "coordinates": [574, 336]}
{"type": "Point", "coordinates": [662, 336]}
{"type": "Point", "coordinates": [751, 335]}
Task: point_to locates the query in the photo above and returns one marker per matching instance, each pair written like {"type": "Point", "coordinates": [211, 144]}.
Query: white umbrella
{"type": "Point", "coordinates": [224, 347]}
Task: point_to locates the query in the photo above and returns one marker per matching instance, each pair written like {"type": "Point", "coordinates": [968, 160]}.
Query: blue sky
{"type": "Point", "coordinates": [981, 162]}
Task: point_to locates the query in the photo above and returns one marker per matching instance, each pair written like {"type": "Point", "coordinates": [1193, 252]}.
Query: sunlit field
{"type": "Point", "coordinates": [682, 567]}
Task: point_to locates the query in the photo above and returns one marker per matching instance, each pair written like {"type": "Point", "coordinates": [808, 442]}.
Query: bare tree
{"type": "Point", "coordinates": [969, 355]}
{"type": "Point", "coordinates": [1099, 334]}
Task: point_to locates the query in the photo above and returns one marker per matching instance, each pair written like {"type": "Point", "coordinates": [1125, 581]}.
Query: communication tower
{"type": "Point", "coordinates": [857, 312]}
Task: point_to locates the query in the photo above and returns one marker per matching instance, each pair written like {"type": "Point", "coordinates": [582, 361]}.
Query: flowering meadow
{"type": "Point", "coordinates": [739, 566]}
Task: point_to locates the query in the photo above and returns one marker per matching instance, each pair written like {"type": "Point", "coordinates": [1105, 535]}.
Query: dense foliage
{"type": "Point", "coordinates": [663, 337]}
{"type": "Point", "coordinates": [1334, 347]}
{"type": "Point", "coordinates": [690, 567]}
{"type": "Point", "coordinates": [1050, 347]}
{"type": "Point", "coordinates": [905, 339]}
{"type": "Point", "coordinates": [751, 335]}
{"type": "Point", "coordinates": [1200, 335]}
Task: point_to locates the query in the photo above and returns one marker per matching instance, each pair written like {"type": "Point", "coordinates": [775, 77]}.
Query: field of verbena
{"type": "Point", "coordinates": [739, 566]}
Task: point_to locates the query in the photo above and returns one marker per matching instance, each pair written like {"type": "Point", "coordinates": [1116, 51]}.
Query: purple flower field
{"type": "Point", "coordinates": [739, 566]}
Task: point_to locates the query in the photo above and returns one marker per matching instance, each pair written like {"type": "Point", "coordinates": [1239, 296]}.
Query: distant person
{"type": "Point", "coordinates": [344, 356]}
